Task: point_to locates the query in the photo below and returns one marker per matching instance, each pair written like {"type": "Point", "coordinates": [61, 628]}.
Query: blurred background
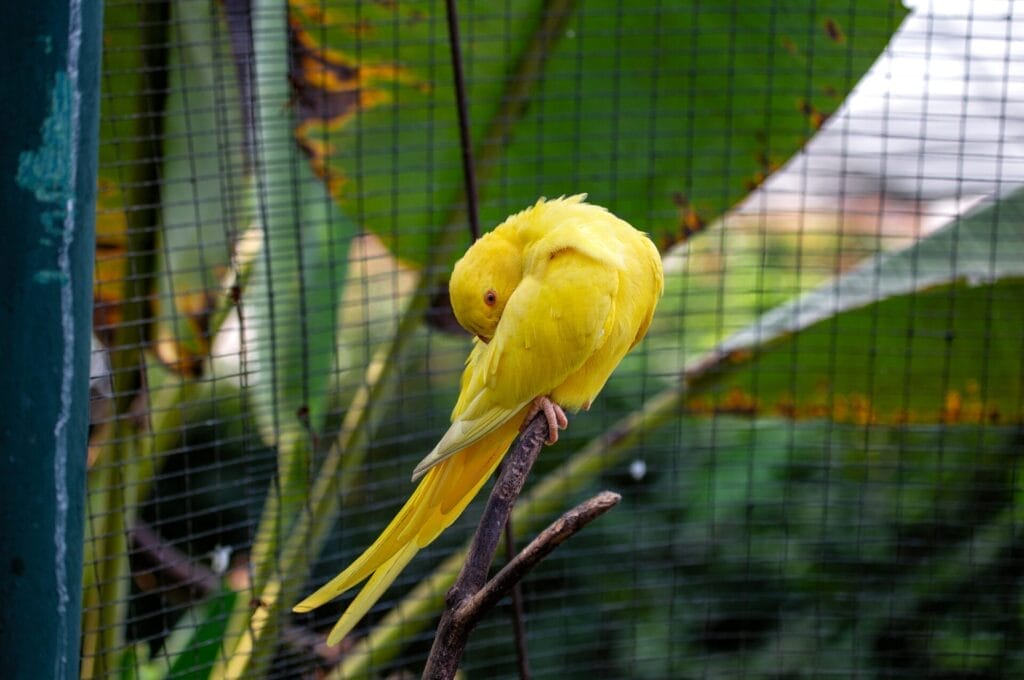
{"type": "Point", "coordinates": [817, 445]}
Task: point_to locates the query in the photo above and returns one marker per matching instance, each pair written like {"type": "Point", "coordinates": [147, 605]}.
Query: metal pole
{"type": "Point", "coordinates": [49, 104]}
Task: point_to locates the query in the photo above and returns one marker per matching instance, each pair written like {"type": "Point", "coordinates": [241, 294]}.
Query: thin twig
{"type": "Point", "coordinates": [540, 547]}
{"type": "Point", "coordinates": [471, 595]}
{"type": "Point", "coordinates": [173, 564]}
{"type": "Point", "coordinates": [518, 611]}
{"type": "Point", "coordinates": [200, 581]}
{"type": "Point", "coordinates": [465, 139]}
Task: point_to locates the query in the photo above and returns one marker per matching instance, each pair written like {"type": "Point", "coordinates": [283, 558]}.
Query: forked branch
{"type": "Point", "coordinates": [473, 595]}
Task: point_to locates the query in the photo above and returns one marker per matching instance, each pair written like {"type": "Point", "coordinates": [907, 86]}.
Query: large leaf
{"type": "Point", "coordinates": [669, 116]}
{"type": "Point", "coordinates": [932, 333]}
{"type": "Point", "coordinates": [204, 179]}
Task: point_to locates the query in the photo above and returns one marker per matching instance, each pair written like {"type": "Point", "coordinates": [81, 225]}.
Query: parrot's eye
{"type": "Point", "coordinates": [490, 297]}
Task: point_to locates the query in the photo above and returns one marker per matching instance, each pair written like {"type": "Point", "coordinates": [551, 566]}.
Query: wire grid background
{"type": "Point", "coordinates": [752, 540]}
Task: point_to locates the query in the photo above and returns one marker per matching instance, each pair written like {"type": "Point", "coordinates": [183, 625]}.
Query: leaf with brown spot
{"type": "Point", "coordinates": [835, 34]}
{"type": "Point", "coordinates": [930, 334]}
{"type": "Point", "coordinates": [329, 88]}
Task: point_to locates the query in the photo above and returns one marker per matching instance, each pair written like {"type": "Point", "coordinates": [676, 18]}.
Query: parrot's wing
{"type": "Point", "coordinates": [553, 322]}
{"type": "Point", "coordinates": [649, 259]}
{"type": "Point", "coordinates": [462, 433]}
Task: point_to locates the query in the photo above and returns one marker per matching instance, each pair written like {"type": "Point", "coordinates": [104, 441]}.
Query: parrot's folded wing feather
{"type": "Point", "coordinates": [462, 433]}
{"type": "Point", "coordinates": [464, 475]}
{"type": "Point", "coordinates": [551, 325]}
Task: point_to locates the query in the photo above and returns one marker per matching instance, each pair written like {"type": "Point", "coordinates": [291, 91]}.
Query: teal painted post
{"type": "Point", "coordinates": [49, 97]}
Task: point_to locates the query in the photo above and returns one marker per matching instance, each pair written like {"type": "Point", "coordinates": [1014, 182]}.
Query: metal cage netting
{"type": "Point", "coordinates": [816, 445]}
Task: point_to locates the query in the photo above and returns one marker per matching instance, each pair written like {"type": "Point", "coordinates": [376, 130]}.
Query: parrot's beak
{"type": "Point", "coordinates": [483, 339]}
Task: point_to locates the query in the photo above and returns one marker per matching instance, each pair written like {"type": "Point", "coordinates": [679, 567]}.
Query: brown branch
{"type": "Point", "coordinates": [471, 596]}
{"type": "Point", "coordinates": [200, 581]}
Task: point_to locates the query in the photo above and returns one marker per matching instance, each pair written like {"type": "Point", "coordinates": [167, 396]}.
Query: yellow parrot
{"type": "Point", "coordinates": [556, 296]}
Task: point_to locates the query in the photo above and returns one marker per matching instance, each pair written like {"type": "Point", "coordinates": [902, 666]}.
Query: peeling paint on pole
{"type": "Point", "coordinates": [49, 173]}
{"type": "Point", "coordinates": [47, 187]}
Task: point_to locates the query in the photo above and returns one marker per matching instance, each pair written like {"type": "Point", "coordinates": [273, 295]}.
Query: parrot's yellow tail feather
{"type": "Point", "coordinates": [399, 533]}
{"type": "Point", "coordinates": [371, 592]}
{"type": "Point", "coordinates": [438, 500]}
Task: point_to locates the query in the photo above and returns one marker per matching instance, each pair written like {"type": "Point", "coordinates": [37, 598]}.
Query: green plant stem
{"type": "Point", "coordinates": [246, 249]}
{"type": "Point", "coordinates": [123, 486]}
{"type": "Point", "coordinates": [168, 404]}
{"type": "Point", "coordinates": [113, 482]}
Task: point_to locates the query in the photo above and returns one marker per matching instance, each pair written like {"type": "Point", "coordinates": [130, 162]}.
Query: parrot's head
{"type": "Point", "coordinates": [482, 282]}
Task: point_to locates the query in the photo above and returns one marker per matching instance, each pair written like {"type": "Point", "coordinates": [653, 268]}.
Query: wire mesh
{"type": "Point", "coordinates": [817, 445]}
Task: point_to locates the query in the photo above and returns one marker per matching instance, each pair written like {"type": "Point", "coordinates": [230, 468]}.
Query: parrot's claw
{"type": "Point", "coordinates": [552, 412]}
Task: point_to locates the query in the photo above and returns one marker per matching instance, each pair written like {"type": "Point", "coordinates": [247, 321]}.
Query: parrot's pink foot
{"type": "Point", "coordinates": [552, 412]}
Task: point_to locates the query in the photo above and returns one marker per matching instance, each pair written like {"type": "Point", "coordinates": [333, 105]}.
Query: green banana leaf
{"type": "Point", "coordinates": [204, 178]}
{"type": "Point", "coordinates": [669, 115]}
